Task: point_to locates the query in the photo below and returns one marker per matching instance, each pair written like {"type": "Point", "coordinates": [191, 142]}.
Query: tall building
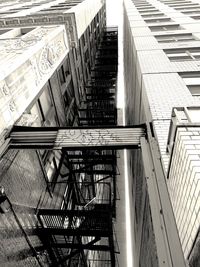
{"type": "Point", "coordinates": [59, 172]}
{"type": "Point", "coordinates": [58, 69]}
{"type": "Point", "coordinates": [161, 66]}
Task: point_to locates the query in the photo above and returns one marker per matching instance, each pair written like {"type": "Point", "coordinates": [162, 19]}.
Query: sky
{"type": "Point", "coordinates": [115, 17]}
{"type": "Point", "coordinates": [114, 10]}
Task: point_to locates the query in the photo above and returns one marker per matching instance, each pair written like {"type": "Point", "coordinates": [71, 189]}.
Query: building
{"type": "Point", "coordinates": [58, 75]}
{"type": "Point", "coordinates": [58, 69]}
{"type": "Point", "coordinates": [161, 48]}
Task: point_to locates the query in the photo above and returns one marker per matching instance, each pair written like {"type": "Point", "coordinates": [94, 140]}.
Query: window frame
{"type": "Point", "coordinates": [183, 54]}
{"type": "Point", "coordinates": [192, 81]}
{"type": "Point", "coordinates": [177, 37]}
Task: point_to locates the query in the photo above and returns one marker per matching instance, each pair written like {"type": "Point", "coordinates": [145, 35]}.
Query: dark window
{"type": "Point", "coordinates": [61, 74]}
{"type": "Point", "coordinates": [192, 81]}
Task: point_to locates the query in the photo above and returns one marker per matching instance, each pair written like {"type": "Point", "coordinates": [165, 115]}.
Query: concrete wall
{"type": "Point", "coordinates": [26, 65]}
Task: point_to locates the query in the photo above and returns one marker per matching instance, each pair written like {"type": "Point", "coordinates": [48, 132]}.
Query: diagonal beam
{"type": "Point", "coordinates": [80, 248]}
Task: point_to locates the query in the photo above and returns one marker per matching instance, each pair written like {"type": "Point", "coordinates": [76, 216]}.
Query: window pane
{"type": "Point", "coordinates": [194, 115]}
{"type": "Point", "coordinates": [45, 101]}
{"type": "Point", "coordinates": [175, 38]}
{"type": "Point", "coordinates": [35, 110]}
{"type": "Point", "coordinates": [194, 89]}
{"type": "Point", "coordinates": [61, 75]}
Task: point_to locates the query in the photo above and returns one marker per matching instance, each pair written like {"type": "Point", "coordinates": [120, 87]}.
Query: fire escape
{"type": "Point", "coordinates": [76, 226]}
{"type": "Point", "coordinates": [81, 233]}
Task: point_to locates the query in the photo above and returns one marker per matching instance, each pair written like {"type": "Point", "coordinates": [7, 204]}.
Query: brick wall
{"type": "Point", "coordinates": [144, 242]}
{"type": "Point", "coordinates": [153, 88]}
{"type": "Point", "coordinates": [184, 184]}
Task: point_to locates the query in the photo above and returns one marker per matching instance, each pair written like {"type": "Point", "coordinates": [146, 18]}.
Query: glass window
{"type": "Point", "coordinates": [180, 4]}
{"type": "Point", "coordinates": [69, 94]}
{"type": "Point", "coordinates": [183, 54]}
{"type": "Point", "coordinates": [45, 102]}
{"type": "Point", "coordinates": [61, 75]}
{"type": "Point", "coordinates": [185, 8]}
{"type": "Point", "coordinates": [149, 10]}
{"type": "Point", "coordinates": [52, 163]}
{"type": "Point", "coordinates": [153, 15]}
{"type": "Point", "coordinates": [83, 38]}
{"type": "Point", "coordinates": [24, 31]}
{"type": "Point", "coordinates": [157, 20]}
{"type": "Point", "coordinates": [195, 11]}
{"type": "Point", "coordinates": [165, 28]}
{"type": "Point", "coordinates": [192, 81]}
{"type": "Point", "coordinates": [36, 111]}
{"type": "Point", "coordinates": [195, 17]}
{"type": "Point", "coordinates": [4, 31]}
{"type": "Point", "coordinates": [186, 37]}
{"type": "Point", "coordinates": [194, 114]}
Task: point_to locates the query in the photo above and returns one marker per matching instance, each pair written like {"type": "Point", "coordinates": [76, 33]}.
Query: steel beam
{"type": "Point", "coordinates": [73, 138]}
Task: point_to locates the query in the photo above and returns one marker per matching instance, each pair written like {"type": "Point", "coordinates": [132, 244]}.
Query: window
{"type": "Point", "coordinates": [36, 111]}
{"type": "Point", "coordinates": [69, 94]}
{"type": "Point", "coordinates": [45, 102]}
{"type": "Point", "coordinates": [183, 54]}
{"type": "Point", "coordinates": [192, 81]}
{"type": "Point", "coordinates": [149, 11]}
{"type": "Point", "coordinates": [186, 7]}
{"type": "Point", "coordinates": [43, 107]}
{"type": "Point", "coordinates": [4, 31]}
{"type": "Point", "coordinates": [158, 20]}
{"type": "Point", "coordinates": [19, 9]}
{"type": "Point", "coordinates": [51, 161]}
{"type": "Point", "coordinates": [86, 56]}
{"type": "Point", "coordinates": [165, 28]}
{"type": "Point", "coordinates": [195, 17]}
{"type": "Point", "coordinates": [61, 75]}
{"type": "Point", "coordinates": [51, 165]}
{"type": "Point", "coordinates": [180, 4]}
{"type": "Point", "coordinates": [83, 38]}
{"type": "Point", "coordinates": [194, 114]}
{"type": "Point", "coordinates": [153, 15]}
{"type": "Point", "coordinates": [23, 31]}
{"type": "Point", "coordinates": [195, 11]}
{"type": "Point", "coordinates": [186, 37]}
{"type": "Point", "coordinates": [143, 6]}
{"type": "Point", "coordinates": [17, 32]}
{"type": "Point", "coordinates": [147, 6]}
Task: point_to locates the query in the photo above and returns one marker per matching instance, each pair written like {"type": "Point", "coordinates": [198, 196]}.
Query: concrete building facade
{"type": "Point", "coordinates": [37, 51]}
{"type": "Point", "coordinates": [161, 66]}
{"type": "Point", "coordinates": [52, 74]}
